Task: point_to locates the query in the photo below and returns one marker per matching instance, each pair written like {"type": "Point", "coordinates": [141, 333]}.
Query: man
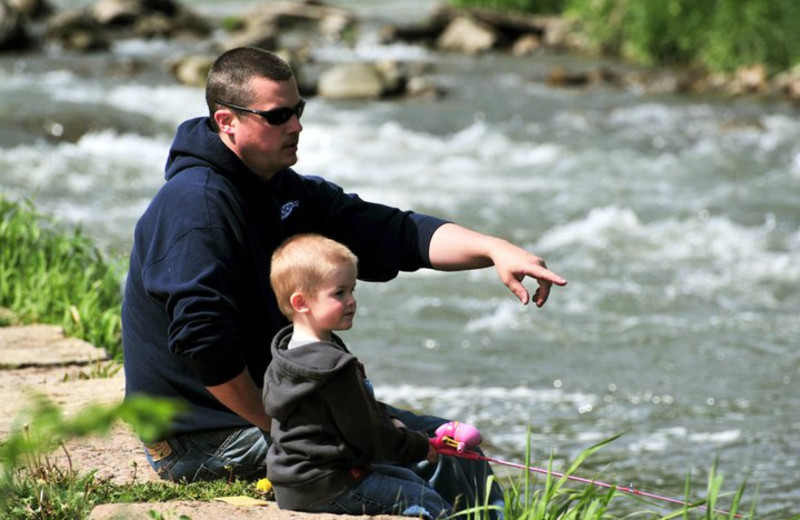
{"type": "Point", "coordinates": [199, 314]}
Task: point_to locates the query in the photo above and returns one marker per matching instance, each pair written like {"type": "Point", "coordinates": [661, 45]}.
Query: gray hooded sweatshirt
{"type": "Point", "coordinates": [326, 427]}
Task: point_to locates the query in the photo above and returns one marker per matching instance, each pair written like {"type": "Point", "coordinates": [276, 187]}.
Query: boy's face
{"type": "Point", "coordinates": [334, 305]}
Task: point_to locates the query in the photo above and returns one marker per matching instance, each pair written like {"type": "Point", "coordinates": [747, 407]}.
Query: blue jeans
{"type": "Point", "coordinates": [212, 455]}
{"type": "Point", "coordinates": [388, 489]}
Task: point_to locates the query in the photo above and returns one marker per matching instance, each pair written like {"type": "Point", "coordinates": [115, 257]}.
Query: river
{"type": "Point", "coordinates": [675, 219]}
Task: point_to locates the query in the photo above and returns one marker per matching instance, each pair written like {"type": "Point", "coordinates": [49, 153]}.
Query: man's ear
{"type": "Point", "coordinates": [298, 301]}
{"type": "Point", "coordinates": [224, 119]}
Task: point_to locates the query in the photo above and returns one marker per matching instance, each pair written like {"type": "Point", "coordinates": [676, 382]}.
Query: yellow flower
{"type": "Point", "coordinates": [264, 485]}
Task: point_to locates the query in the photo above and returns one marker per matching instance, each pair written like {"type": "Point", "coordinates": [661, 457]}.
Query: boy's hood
{"type": "Point", "coordinates": [295, 374]}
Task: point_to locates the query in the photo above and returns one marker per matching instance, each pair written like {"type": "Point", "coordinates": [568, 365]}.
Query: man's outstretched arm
{"type": "Point", "coordinates": [456, 248]}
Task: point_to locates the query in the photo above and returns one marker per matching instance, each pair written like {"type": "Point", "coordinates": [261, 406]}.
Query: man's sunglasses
{"type": "Point", "coordinates": [276, 116]}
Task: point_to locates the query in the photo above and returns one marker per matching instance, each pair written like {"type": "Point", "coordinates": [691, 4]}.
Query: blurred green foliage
{"type": "Point", "coordinates": [528, 6]}
{"type": "Point", "coordinates": [32, 487]}
{"type": "Point", "coordinates": [720, 35]}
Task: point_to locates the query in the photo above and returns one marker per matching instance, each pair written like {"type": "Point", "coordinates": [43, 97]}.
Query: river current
{"type": "Point", "coordinates": [675, 219]}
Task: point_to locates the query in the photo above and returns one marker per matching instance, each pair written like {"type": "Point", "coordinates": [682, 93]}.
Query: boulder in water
{"type": "Point", "coordinates": [14, 33]}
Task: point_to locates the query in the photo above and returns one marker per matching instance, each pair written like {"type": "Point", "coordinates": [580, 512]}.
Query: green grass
{"type": "Point", "coordinates": [53, 493]}
{"type": "Point", "coordinates": [52, 275]}
{"type": "Point", "coordinates": [558, 497]}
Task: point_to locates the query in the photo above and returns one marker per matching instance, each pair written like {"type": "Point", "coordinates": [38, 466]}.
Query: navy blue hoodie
{"type": "Point", "coordinates": [198, 306]}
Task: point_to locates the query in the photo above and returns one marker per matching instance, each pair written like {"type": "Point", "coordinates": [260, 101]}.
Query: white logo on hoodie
{"type": "Point", "coordinates": [287, 208]}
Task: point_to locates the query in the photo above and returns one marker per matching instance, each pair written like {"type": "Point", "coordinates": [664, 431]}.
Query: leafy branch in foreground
{"type": "Point", "coordinates": [31, 486]}
{"type": "Point", "coordinates": [45, 428]}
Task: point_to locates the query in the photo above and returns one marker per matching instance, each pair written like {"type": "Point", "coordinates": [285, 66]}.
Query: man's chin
{"type": "Point", "coordinates": [291, 159]}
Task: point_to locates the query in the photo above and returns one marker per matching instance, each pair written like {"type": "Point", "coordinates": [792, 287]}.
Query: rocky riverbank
{"type": "Point", "coordinates": [296, 28]}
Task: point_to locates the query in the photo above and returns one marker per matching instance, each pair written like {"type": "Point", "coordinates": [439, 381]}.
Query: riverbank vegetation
{"type": "Point", "coordinates": [49, 274]}
{"type": "Point", "coordinates": [719, 35]}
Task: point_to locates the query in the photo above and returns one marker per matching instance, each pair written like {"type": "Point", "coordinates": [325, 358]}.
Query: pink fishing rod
{"type": "Point", "coordinates": [459, 440]}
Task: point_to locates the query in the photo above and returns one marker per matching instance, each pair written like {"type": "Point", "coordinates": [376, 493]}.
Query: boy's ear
{"type": "Point", "coordinates": [298, 302]}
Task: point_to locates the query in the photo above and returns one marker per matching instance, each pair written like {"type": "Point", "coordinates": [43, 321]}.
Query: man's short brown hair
{"type": "Point", "coordinates": [229, 77]}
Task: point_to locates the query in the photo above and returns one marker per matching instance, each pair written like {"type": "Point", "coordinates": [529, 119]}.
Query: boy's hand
{"type": "Point", "coordinates": [433, 455]}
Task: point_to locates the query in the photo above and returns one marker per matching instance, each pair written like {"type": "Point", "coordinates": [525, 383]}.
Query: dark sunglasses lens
{"type": "Point", "coordinates": [298, 109]}
{"type": "Point", "coordinates": [279, 116]}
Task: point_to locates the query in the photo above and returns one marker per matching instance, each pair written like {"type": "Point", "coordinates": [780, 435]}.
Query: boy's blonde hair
{"type": "Point", "coordinates": [302, 262]}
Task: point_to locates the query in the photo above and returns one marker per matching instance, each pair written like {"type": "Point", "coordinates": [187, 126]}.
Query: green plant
{"type": "Point", "coordinates": [721, 35]}
{"type": "Point", "coordinates": [96, 370]}
{"type": "Point", "coordinates": [155, 515]}
{"type": "Point", "coordinates": [558, 498]}
{"type": "Point", "coordinates": [746, 33]}
{"type": "Point", "coordinates": [50, 275]}
{"type": "Point", "coordinates": [232, 23]}
{"type": "Point", "coordinates": [555, 499]}
{"type": "Point", "coordinates": [649, 32]}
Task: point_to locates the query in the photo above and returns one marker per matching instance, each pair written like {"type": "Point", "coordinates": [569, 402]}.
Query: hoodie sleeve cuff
{"type": "Point", "coordinates": [426, 227]}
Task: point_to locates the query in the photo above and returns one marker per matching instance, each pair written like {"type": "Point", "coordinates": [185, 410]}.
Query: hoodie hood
{"type": "Point", "coordinates": [197, 144]}
{"type": "Point", "coordinates": [301, 371]}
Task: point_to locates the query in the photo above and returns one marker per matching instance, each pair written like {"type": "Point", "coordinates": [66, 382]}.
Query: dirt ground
{"type": "Point", "coordinates": [39, 360]}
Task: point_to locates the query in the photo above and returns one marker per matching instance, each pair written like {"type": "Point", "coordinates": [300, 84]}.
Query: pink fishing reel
{"type": "Point", "coordinates": [456, 436]}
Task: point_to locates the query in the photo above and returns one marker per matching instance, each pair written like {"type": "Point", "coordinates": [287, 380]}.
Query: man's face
{"type": "Point", "coordinates": [263, 147]}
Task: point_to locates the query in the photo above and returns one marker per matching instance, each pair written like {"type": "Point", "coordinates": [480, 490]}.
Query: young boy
{"type": "Point", "coordinates": [328, 430]}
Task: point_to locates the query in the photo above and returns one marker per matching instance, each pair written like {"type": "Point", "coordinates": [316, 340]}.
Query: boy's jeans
{"type": "Point", "coordinates": [460, 482]}
{"type": "Point", "coordinates": [388, 489]}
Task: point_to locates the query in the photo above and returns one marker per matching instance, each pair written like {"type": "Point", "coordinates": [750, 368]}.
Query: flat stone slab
{"type": "Point", "coordinates": [70, 390]}
{"type": "Point", "coordinates": [42, 345]}
{"type": "Point", "coordinates": [214, 510]}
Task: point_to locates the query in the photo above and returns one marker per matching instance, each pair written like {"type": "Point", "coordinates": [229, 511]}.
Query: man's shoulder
{"type": "Point", "coordinates": [198, 182]}
{"type": "Point", "coordinates": [194, 199]}
{"type": "Point", "coordinates": [289, 177]}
